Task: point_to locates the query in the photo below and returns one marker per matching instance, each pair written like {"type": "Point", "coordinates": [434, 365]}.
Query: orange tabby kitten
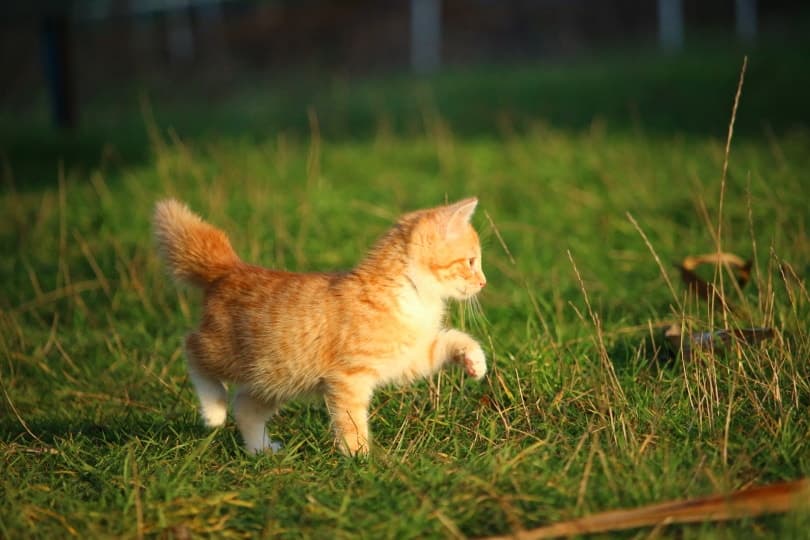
{"type": "Point", "coordinates": [281, 335]}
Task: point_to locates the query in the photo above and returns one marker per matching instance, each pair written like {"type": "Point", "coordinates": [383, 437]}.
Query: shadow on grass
{"type": "Point", "coordinates": [644, 351]}
{"type": "Point", "coordinates": [116, 432]}
{"type": "Point", "coordinates": [45, 434]}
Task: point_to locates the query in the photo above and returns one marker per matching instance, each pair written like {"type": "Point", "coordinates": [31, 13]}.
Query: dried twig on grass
{"type": "Point", "coordinates": [757, 501]}
{"type": "Point", "coordinates": [705, 290]}
{"type": "Point", "coordinates": [710, 341]}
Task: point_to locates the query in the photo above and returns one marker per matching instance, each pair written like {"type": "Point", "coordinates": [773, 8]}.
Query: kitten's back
{"type": "Point", "coordinates": [253, 314]}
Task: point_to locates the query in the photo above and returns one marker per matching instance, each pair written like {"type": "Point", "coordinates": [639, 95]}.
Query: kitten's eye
{"type": "Point", "coordinates": [472, 262]}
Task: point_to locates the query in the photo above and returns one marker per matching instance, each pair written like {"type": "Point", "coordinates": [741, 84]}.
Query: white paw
{"type": "Point", "coordinates": [273, 446]}
{"type": "Point", "coordinates": [265, 445]}
{"type": "Point", "coordinates": [214, 413]}
{"type": "Point", "coordinates": [475, 363]}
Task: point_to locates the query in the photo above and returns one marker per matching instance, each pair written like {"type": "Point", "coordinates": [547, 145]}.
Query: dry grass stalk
{"type": "Point", "coordinates": [757, 501]}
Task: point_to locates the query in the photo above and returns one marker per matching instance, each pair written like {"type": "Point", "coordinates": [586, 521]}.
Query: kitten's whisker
{"type": "Point", "coordinates": [482, 316]}
{"type": "Point", "coordinates": [474, 312]}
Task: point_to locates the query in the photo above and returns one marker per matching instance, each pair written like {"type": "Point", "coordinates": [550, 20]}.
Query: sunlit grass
{"type": "Point", "coordinates": [581, 411]}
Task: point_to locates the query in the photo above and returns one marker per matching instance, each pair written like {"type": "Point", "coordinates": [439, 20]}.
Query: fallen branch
{"type": "Point", "coordinates": [757, 501]}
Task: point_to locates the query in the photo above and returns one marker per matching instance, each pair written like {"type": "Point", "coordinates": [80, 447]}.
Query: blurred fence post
{"type": "Point", "coordinates": [745, 15]}
{"type": "Point", "coordinates": [426, 35]}
{"type": "Point", "coordinates": [58, 65]}
{"type": "Point", "coordinates": [670, 24]}
{"type": "Point", "coordinates": [180, 37]}
{"type": "Point", "coordinates": [211, 24]}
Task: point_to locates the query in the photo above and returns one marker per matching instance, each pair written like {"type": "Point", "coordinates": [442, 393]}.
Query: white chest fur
{"type": "Point", "coordinates": [421, 312]}
{"type": "Point", "coordinates": [420, 322]}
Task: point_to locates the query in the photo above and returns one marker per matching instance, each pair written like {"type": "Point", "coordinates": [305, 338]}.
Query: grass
{"type": "Point", "coordinates": [581, 412]}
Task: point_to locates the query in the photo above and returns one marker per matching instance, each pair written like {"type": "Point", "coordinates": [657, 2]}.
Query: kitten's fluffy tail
{"type": "Point", "coordinates": [195, 252]}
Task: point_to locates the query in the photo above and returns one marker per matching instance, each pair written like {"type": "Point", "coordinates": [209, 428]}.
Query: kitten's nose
{"type": "Point", "coordinates": [482, 282]}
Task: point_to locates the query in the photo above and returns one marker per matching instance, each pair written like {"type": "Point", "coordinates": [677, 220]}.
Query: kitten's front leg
{"type": "Point", "coordinates": [348, 400]}
{"type": "Point", "coordinates": [456, 346]}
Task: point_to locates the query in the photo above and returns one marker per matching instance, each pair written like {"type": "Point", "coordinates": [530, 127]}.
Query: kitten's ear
{"type": "Point", "coordinates": [459, 215]}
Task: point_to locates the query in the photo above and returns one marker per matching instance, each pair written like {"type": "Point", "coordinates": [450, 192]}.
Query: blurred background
{"type": "Point", "coordinates": [594, 133]}
{"type": "Point", "coordinates": [81, 79]}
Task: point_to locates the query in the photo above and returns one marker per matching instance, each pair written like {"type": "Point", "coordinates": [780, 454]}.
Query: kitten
{"type": "Point", "coordinates": [280, 335]}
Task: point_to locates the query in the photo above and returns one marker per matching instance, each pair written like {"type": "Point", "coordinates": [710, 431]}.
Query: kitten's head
{"type": "Point", "coordinates": [446, 251]}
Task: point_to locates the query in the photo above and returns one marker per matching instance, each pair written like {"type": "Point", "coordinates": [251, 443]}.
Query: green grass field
{"type": "Point", "coordinates": [593, 180]}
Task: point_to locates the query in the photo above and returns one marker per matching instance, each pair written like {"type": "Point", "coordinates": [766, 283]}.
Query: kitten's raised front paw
{"type": "Point", "coordinates": [475, 363]}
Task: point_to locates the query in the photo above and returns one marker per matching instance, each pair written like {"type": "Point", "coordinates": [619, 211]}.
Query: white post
{"type": "Point", "coordinates": [745, 14]}
{"type": "Point", "coordinates": [670, 24]}
{"type": "Point", "coordinates": [180, 36]}
{"type": "Point", "coordinates": [211, 25]}
{"type": "Point", "coordinates": [426, 35]}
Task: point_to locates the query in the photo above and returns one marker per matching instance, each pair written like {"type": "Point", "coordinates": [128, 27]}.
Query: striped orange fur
{"type": "Point", "coordinates": [279, 335]}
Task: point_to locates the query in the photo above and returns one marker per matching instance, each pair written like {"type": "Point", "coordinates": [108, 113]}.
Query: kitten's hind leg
{"type": "Point", "coordinates": [251, 416]}
{"type": "Point", "coordinates": [212, 395]}
{"type": "Point", "coordinates": [211, 392]}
